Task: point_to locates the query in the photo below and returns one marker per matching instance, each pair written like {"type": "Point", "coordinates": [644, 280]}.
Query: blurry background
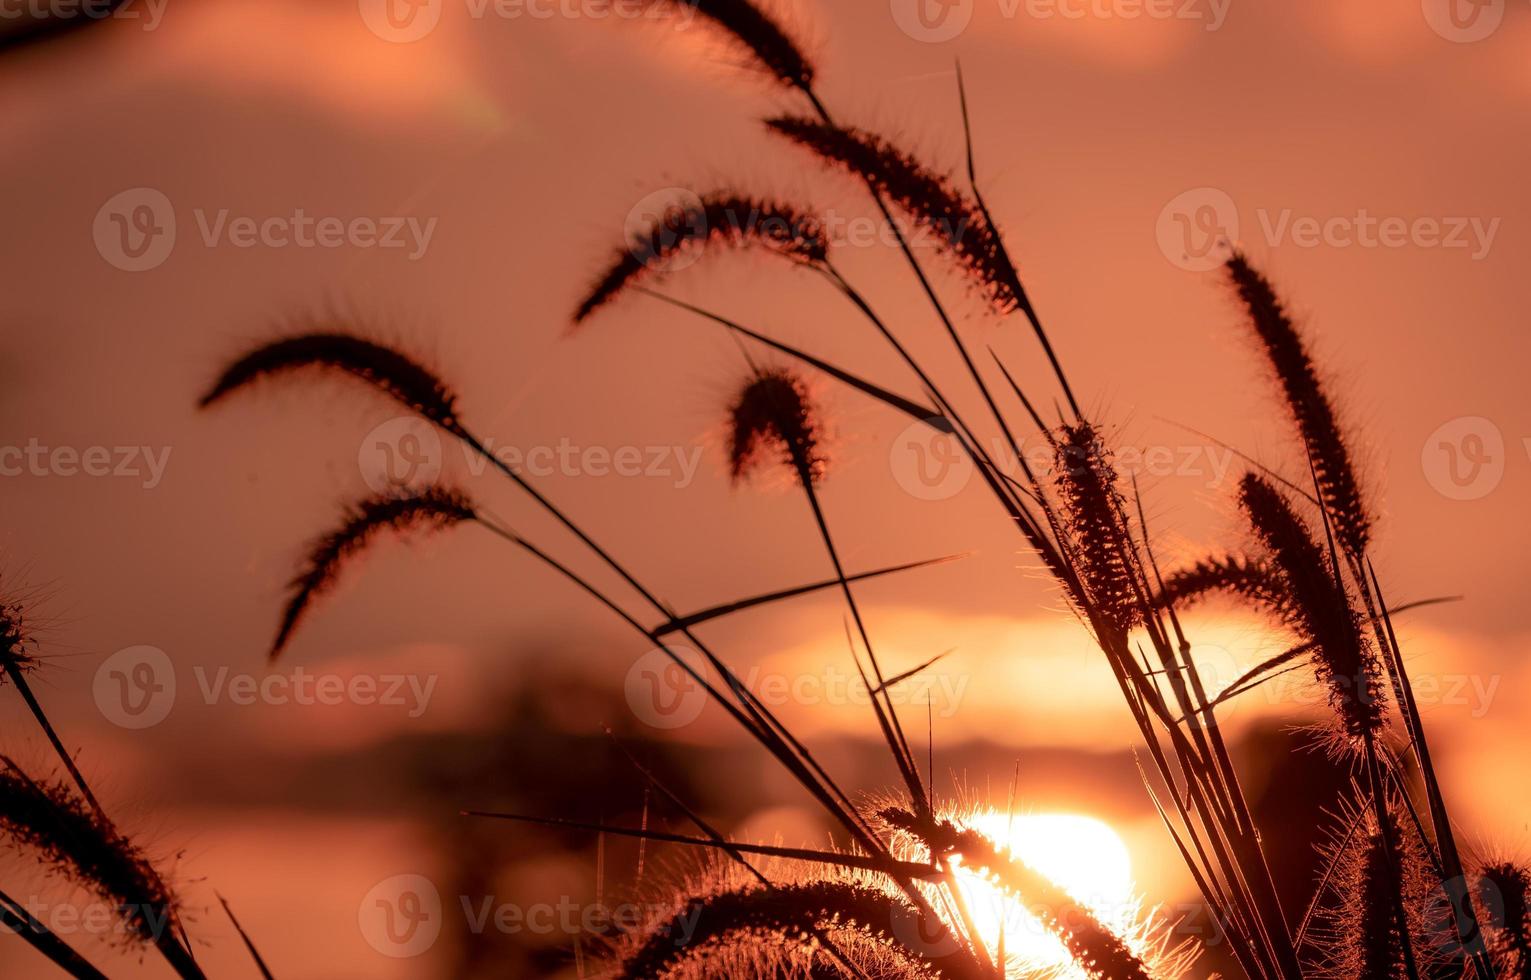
{"type": "Point", "coordinates": [158, 170]}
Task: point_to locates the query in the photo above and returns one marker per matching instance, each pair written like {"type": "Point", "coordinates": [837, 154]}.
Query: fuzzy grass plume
{"type": "Point", "coordinates": [929, 198]}
{"type": "Point", "coordinates": [70, 838]}
{"type": "Point", "coordinates": [773, 418]}
{"type": "Point", "coordinates": [772, 49]}
{"type": "Point", "coordinates": [783, 917]}
{"type": "Point", "coordinates": [1358, 936]}
{"type": "Point", "coordinates": [1317, 608]}
{"type": "Point", "coordinates": [14, 638]}
{"type": "Point", "coordinates": [1094, 512]}
{"type": "Point", "coordinates": [436, 508]}
{"type": "Point", "coordinates": [1309, 404]}
{"type": "Point", "coordinates": [1503, 889]}
{"type": "Point", "coordinates": [716, 220]}
{"type": "Point", "coordinates": [398, 376]}
{"type": "Point", "coordinates": [1235, 575]}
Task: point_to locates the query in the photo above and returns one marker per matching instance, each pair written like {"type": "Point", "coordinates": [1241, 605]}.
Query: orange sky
{"type": "Point", "coordinates": [523, 143]}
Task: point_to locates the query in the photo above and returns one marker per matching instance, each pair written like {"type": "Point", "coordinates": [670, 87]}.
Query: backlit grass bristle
{"type": "Point", "coordinates": [1318, 609]}
{"type": "Point", "coordinates": [929, 198]}
{"type": "Point", "coordinates": [1234, 575]}
{"type": "Point", "coordinates": [774, 419]}
{"type": "Point", "coordinates": [435, 508]}
{"type": "Point", "coordinates": [70, 838]}
{"type": "Point", "coordinates": [1093, 511]}
{"type": "Point", "coordinates": [1503, 890]}
{"type": "Point", "coordinates": [718, 220]}
{"type": "Point", "coordinates": [780, 920]}
{"type": "Point", "coordinates": [1098, 951]}
{"type": "Point", "coordinates": [14, 638]}
{"type": "Point", "coordinates": [751, 28]}
{"type": "Point", "coordinates": [395, 374]}
{"type": "Point", "coordinates": [1357, 936]}
{"type": "Point", "coordinates": [1309, 404]}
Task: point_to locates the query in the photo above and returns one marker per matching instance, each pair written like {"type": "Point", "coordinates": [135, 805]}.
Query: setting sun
{"type": "Point", "coordinates": [1082, 855]}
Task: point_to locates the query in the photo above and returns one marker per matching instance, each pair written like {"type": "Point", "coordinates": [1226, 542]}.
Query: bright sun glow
{"type": "Point", "coordinates": [1082, 855]}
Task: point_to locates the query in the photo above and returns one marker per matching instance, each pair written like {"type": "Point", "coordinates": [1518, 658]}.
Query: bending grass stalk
{"type": "Point", "coordinates": [1002, 257]}
{"type": "Point", "coordinates": [767, 736]}
{"type": "Point", "coordinates": [1454, 882]}
{"type": "Point", "coordinates": [714, 835]}
{"type": "Point", "coordinates": [773, 408]}
{"type": "Point", "coordinates": [17, 919]}
{"type": "Point", "coordinates": [411, 385]}
{"type": "Point", "coordinates": [260, 963]}
{"type": "Point", "coordinates": [1095, 948]}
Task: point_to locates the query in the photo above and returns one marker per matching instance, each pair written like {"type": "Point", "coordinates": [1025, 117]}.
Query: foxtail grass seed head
{"type": "Point", "coordinates": [391, 372]}
{"type": "Point", "coordinates": [1309, 404]}
{"type": "Point", "coordinates": [1318, 609]}
{"type": "Point", "coordinates": [14, 638]}
{"type": "Point", "coordinates": [68, 837]}
{"type": "Point", "coordinates": [436, 508]}
{"type": "Point", "coordinates": [774, 419]}
{"type": "Point", "coordinates": [768, 921]}
{"type": "Point", "coordinates": [1356, 934]}
{"type": "Point", "coordinates": [926, 196]}
{"type": "Point", "coordinates": [1504, 889]}
{"type": "Point", "coordinates": [718, 220]}
{"type": "Point", "coordinates": [1235, 575]}
{"type": "Point", "coordinates": [1093, 510]}
{"type": "Point", "coordinates": [770, 47]}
